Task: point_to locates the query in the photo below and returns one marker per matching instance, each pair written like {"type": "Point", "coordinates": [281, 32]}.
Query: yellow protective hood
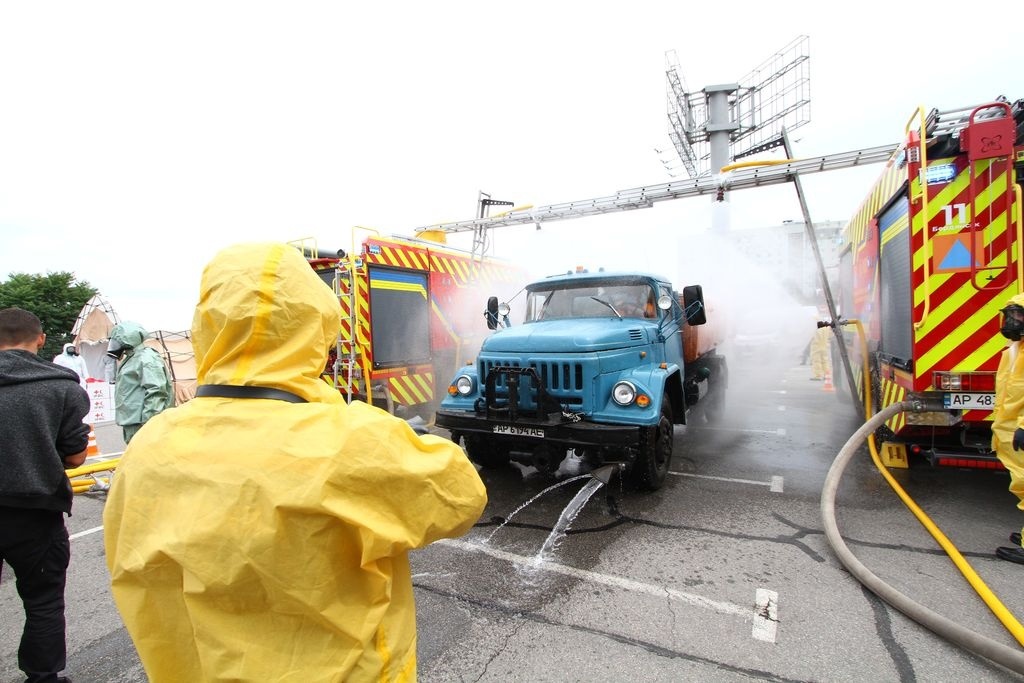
{"type": "Point", "coordinates": [264, 318]}
{"type": "Point", "coordinates": [252, 539]}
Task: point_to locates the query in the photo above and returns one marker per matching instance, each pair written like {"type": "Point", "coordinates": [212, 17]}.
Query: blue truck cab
{"type": "Point", "coordinates": [604, 364]}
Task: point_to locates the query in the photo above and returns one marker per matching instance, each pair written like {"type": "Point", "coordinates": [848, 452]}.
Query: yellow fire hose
{"type": "Point", "coordinates": [980, 645]}
{"type": "Point", "coordinates": [81, 485]}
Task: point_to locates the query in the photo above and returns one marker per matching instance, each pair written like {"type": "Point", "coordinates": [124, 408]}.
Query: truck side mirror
{"type": "Point", "coordinates": [491, 314]}
{"type": "Point", "coordinates": [693, 305]}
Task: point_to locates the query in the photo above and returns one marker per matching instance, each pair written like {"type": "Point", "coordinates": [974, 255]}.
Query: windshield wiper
{"type": "Point", "coordinates": [602, 301]}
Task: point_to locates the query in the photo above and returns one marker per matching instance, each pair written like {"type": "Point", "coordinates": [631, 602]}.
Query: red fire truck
{"type": "Point", "coordinates": [411, 312]}
{"type": "Point", "coordinates": [931, 255]}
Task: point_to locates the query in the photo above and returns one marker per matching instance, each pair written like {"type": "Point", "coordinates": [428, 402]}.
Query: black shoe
{"type": "Point", "coordinates": [1015, 538]}
{"type": "Point", "coordinates": [1011, 554]}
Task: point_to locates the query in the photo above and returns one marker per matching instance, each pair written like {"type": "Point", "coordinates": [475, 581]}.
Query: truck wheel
{"type": "Point", "coordinates": [651, 466]}
{"type": "Point", "coordinates": [487, 453]}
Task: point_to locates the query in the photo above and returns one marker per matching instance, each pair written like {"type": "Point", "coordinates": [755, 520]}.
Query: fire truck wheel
{"type": "Point", "coordinates": [651, 465]}
{"type": "Point", "coordinates": [487, 453]}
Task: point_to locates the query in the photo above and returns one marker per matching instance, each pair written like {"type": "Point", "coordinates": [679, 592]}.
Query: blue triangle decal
{"type": "Point", "coordinates": [957, 257]}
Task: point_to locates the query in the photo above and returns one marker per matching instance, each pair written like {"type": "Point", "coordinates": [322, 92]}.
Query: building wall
{"type": "Point", "coordinates": [786, 251]}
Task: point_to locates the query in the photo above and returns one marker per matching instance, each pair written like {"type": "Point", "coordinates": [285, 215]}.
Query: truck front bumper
{"type": "Point", "coordinates": [572, 434]}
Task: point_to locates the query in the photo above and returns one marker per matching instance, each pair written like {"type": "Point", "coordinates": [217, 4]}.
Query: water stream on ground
{"type": "Point", "coordinates": [550, 488]}
{"type": "Point", "coordinates": [568, 515]}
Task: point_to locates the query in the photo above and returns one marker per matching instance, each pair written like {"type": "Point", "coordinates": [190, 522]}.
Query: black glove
{"type": "Point", "coordinates": [1018, 440]}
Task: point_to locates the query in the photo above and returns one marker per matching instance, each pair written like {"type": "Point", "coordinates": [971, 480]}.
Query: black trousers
{"type": "Point", "coordinates": [35, 544]}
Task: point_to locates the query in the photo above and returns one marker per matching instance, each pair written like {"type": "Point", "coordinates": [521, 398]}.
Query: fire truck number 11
{"type": "Point", "coordinates": [961, 214]}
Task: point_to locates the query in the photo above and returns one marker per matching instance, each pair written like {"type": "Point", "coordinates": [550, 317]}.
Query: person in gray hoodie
{"type": "Point", "coordinates": [42, 433]}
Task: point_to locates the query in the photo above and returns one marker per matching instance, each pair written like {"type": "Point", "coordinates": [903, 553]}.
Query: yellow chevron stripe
{"type": "Point", "coordinates": [462, 270]}
{"type": "Point", "coordinates": [449, 267]}
{"type": "Point", "coordinates": [424, 384]}
{"type": "Point", "coordinates": [406, 391]}
{"type": "Point", "coordinates": [420, 259]}
{"type": "Point", "coordinates": [893, 393]}
{"type": "Point", "coordinates": [987, 350]}
{"type": "Point", "coordinates": [972, 323]}
{"type": "Point", "coordinates": [403, 258]}
{"type": "Point", "coordinates": [398, 392]}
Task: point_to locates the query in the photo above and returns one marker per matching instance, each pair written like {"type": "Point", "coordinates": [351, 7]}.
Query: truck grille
{"type": "Point", "coordinates": [561, 380]}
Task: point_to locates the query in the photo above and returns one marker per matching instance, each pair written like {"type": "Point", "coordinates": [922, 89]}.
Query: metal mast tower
{"type": "Point", "coordinates": [720, 123]}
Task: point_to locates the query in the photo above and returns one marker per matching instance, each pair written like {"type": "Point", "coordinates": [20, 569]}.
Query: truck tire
{"type": "Point", "coordinates": [652, 462]}
{"type": "Point", "coordinates": [487, 453]}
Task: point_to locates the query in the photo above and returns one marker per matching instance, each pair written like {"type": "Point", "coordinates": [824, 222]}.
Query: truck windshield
{"type": "Point", "coordinates": [591, 301]}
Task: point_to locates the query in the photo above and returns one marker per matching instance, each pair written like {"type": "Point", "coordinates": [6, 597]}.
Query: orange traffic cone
{"type": "Point", "coordinates": [93, 449]}
{"type": "Point", "coordinates": [828, 382]}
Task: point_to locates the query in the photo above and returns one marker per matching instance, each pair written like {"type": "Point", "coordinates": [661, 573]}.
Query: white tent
{"type": "Point", "coordinates": [92, 332]}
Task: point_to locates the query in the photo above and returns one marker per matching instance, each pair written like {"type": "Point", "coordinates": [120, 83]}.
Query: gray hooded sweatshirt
{"type": "Point", "coordinates": [41, 411]}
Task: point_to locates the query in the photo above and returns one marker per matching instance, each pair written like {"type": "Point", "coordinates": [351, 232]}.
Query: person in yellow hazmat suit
{"type": "Point", "coordinates": [821, 364]}
{"type": "Point", "coordinates": [1008, 416]}
{"type": "Point", "coordinates": [260, 531]}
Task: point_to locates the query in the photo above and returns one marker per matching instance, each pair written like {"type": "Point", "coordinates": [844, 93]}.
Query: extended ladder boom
{"type": "Point", "coordinates": [645, 197]}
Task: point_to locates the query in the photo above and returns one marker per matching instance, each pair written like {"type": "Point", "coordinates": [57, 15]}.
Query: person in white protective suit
{"type": "Point", "coordinates": [143, 385]}
{"type": "Point", "coordinates": [260, 532]}
{"type": "Point", "coordinates": [1008, 416]}
{"type": "Point", "coordinates": [70, 359]}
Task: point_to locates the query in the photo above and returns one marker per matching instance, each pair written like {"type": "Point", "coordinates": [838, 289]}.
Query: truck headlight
{"type": "Point", "coordinates": [464, 385]}
{"type": "Point", "coordinates": [624, 393]}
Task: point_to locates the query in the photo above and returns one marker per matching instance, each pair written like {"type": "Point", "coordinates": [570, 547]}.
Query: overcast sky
{"type": "Point", "coordinates": [136, 139]}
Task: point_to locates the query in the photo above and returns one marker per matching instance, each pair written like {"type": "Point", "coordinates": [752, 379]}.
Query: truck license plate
{"type": "Point", "coordinates": [969, 401]}
{"type": "Point", "coordinates": [512, 430]}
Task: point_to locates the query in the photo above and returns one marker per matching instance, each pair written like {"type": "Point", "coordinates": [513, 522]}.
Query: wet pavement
{"type": "Point", "coordinates": [724, 574]}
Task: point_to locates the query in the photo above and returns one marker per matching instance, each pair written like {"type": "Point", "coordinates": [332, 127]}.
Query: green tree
{"type": "Point", "coordinates": [57, 298]}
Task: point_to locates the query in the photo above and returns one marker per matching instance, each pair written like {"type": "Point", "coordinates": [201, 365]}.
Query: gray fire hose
{"type": "Point", "coordinates": [980, 645]}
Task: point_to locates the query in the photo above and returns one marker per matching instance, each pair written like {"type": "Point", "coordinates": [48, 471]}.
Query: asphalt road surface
{"type": "Point", "coordinates": [723, 575]}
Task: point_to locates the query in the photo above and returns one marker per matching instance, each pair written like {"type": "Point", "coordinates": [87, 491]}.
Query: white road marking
{"type": "Point", "coordinates": [764, 616]}
{"type": "Point", "coordinates": [766, 619]}
{"type": "Point", "coordinates": [615, 581]}
{"type": "Point", "coordinates": [774, 485]}
{"type": "Point", "coordinates": [86, 532]}
{"type": "Point", "coordinates": [782, 407]}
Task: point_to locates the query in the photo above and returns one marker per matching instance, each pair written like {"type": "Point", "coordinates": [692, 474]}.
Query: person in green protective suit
{"type": "Point", "coordinates": [1008, 416]}
{"type": "Point", "coordinates": [261, 531]}
{"type": "Point", "coordinates": [142, 386]}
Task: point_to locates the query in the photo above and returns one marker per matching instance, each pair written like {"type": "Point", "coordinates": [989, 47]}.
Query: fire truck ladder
{"type": "Point", "coordinates": [346, 347]}
{"type": "Point", "coordinates": [645, 197]}
{"type": "Point", "coordinates": [351, 343]}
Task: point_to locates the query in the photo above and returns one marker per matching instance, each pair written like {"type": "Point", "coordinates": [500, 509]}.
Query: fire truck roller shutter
{"type": "Point", "coordinates": [894, 298]}
{"type": "Point", "coordinates": [399, 317]}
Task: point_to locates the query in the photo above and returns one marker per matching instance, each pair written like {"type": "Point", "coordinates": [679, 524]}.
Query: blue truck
{"type": "Point", "coordinates": [604, 364]}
